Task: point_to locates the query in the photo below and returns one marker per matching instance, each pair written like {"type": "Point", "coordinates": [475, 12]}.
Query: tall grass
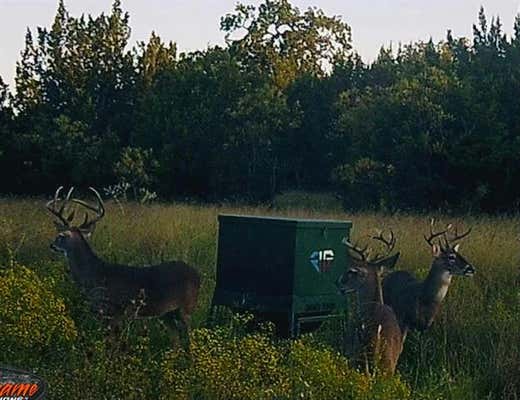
{"type": "Point", "coordinates": [472, 352]}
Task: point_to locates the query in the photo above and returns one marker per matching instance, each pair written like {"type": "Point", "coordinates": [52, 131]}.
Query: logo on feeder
{"type": "Point", "coordinates": [321, 260]}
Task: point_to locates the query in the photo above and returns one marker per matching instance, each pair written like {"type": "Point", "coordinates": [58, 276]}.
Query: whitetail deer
{"type": "Point", "coordinates": [168, 290]}
{"type": "Point", "coordinates": [416, 303]}
{"type": "Point", "coordinates": [379, 334]}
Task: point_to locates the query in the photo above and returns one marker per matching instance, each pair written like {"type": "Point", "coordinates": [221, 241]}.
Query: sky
{"type": "Point", "coordinates": [194, 24]}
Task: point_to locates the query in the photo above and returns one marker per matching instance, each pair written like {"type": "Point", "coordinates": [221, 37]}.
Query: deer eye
{"type": "Point", "coordinates": [352, 271]}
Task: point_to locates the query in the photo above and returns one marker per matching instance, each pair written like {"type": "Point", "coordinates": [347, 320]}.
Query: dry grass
{"type": "Point", "coordinates": [472, 352]}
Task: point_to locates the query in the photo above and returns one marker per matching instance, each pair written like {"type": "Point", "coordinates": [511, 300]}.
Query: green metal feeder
{"type": "Point", "coordinates": [282, 267]}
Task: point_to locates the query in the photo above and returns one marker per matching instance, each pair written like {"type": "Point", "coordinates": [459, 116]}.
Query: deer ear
{"type": "Point", "coordinates": [456, 248]}
{"type": "Point", "coordinates": [59, 227]}
{"type": "Point", "coordinates": [389, 262]}
{"type": "Point", "coordinates": [392, 260]}
{"type": "Point", "coordinates": [436, 250]}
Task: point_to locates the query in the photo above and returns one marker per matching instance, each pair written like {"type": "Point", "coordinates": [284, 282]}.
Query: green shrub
{"type": "Point", "coordinates": [226, 365]}
{"type": "Point", "coordinates": [32, 317]}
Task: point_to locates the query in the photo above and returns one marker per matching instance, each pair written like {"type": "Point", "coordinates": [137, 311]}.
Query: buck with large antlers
{"type": "Point", "coordinates": [416, 303]}
{"type": "Point", "coordinates": [380, 339]}
{"type": "Point", "coordinates": [168, 290]}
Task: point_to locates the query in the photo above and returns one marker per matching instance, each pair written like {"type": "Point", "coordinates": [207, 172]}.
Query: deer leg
{"type": "Point", "coordinates": [366, 362]}
{"type": "Point", "coordinates": [183, 323]}
{"type": "Point", "coordinates": [405, 333]}
{"type": "Point", "coordinates": [117, 328]}
{"type": "Point", "coordinates": [170, 322]}
{"type": "Point", "coordinates": [177, 324]}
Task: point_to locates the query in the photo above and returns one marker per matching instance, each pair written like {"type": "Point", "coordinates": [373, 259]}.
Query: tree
{"type": "Point", "coordinates": [278, 40]}
{"type": "Point", "coordinates": [135, 170]}
{"type": "Point", "coordinates": [153, 59]}
{"type": "Point", "coordinates": [286, 103]}
{"type": "Point", "coordinates": [185, 117]}
{"type": "Point", "coordinates": [77, 75]}
{"type": "Point", "coordinates": [6, 121]}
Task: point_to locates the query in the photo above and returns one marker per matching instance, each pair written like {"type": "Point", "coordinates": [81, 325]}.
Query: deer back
{"type": "Point", "coordinates": [160, 288]}
{"type": "Point", "coordinates": [400, 291]}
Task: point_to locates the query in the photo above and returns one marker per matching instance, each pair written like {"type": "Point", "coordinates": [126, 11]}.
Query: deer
{"type": "Point", "coordinates": [168, 290]}
{"type": "Point", "coordinates": [379, 335]}
{"type": "Point", "coordinates": [417, 303]}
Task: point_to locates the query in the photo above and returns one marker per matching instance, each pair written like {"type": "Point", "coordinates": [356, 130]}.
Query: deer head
{"type": "Point", "coordinates": [68, 234]}
{"type": "Point", "coordinates": [445, 250]}
{"type": "Point", "coordinates": [365, 269]}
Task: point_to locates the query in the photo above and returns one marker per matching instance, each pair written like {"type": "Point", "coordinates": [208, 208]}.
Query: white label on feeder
{"type": "Point", "coordinates": [321, 260]}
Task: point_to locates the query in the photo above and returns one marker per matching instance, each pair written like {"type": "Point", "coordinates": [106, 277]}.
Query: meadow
{"type": "Point", "coordinates": [472, 352]}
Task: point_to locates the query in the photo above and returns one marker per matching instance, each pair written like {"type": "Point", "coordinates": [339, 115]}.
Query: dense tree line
{"type": "Point", "coordinates": [285, 104]}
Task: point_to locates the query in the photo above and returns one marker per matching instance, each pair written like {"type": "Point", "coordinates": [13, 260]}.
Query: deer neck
{"type": "Point", "coordinates": [379, 289]}
{"type": "Point", "coordinates": [435, 286]}
{"type": "Point", "coordinates": [370, 295]}
{"type": "Point", "coordinates": [83, 262]}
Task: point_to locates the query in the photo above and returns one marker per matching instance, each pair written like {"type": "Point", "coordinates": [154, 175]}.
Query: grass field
{"type": "Point", "coordinates": [472, 352]}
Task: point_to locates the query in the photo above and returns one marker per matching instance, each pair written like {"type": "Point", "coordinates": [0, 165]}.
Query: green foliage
{"type": "Point", "coordinates": [32, 316]}
{"type": "Point", "coordinates": [5, 120]}
{"type": "Point", "coordinates": [229, 364]}
{"type": "Point", "coordinates": [365, 184]}
{"type": "Point", "coordinates": [286, 104]}
{"type": "Point", "coordinates": [73, 85]}
{"type": "Point", "coordinates": [284, 43]}
{"type": "Point", "coordinates": [135, 168]}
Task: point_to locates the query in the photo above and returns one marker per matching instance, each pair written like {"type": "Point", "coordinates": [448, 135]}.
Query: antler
{"type": "Point", "coordinates": [364, 253]}
{"type": "Point", "coordinates": [99, 209]}
{"type": "Point", "coordinates": [433, 235]}
{"type": "Point", "coordinates": [389, 244]}
{"type": "Point", "coordinates": [458, 236]}
{"type": "Point", "coordinates": [448, 241]}
{"type": "Point", "coordinates": [64, 222]}
{"type": "Point", "coordinates": [361, 252]}
{"type": "Point", "coordinates": [451, 241]}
